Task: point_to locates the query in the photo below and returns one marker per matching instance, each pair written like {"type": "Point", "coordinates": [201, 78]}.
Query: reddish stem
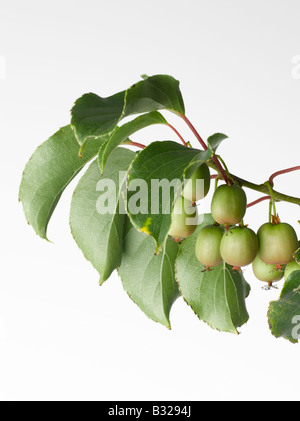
{"type": "Point", "coordinates": [282, 172]}
{"type": "Point", "coordinates": [178, 134]}
{"type": "Point", "coordinates": [222, 171]}
{"type": "Point", "coordinates": [258, 201]}
{"type": "Point", "coordinates": [214, 176]}
{"type": "Point", "coordinates": [201, 141]}
{"type": "Point", "coordinates": [138, 145]}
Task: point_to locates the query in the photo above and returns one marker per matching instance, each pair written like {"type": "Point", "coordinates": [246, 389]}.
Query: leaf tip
{"type": "Point", "coordinates": [47, 239]}
{"type": "Point", "coordinates": [102, 279]}
{"type": "Point", "coordinates": [101, 168]}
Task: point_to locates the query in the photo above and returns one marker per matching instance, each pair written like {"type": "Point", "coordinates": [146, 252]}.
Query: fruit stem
{"type": "Point", "coordinates": [221, 170]}
{"type": "Point", "coordinates": [178, 134]}
{"type": "Point", "coordinates": [225, 166]}
{"type": "Point", "coordinates": [267, 183]}
{"type": "Point", "coordinates": [216, 182]}
{"type": "Point", "coordinates": [282, 172]}
{"type": "Point", "coordinates": [270, 211]}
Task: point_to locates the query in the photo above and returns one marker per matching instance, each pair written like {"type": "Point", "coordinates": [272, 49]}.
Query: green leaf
{"type": "Point", "coordinates": [217, 296]}
{"type": "Point", "coordinates": [148, 279]}
{"type": "Point", "coordinates": [284, 313]}
{"type": "Point", "coordinates": [120, 134]}
{"type": "Point", "coordinates": [48, 172]}
{"type": "Point", "coordinates": [154, 93]}
{"type": "Point", "coordinates": [93, 115]}
{"type": "Point", "coordinates": [214, 141]}
{"type": "Point", "coordinates": [99, 235]}
{"type": "Point", "coordinates": [166, 162]}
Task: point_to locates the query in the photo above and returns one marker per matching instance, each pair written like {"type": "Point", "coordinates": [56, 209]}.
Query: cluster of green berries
{"type": "Point", "coordinates": [270, 250]}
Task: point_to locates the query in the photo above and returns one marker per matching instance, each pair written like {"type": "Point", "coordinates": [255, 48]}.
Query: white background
{"type": "Point", "coordinates": [62, 337]}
